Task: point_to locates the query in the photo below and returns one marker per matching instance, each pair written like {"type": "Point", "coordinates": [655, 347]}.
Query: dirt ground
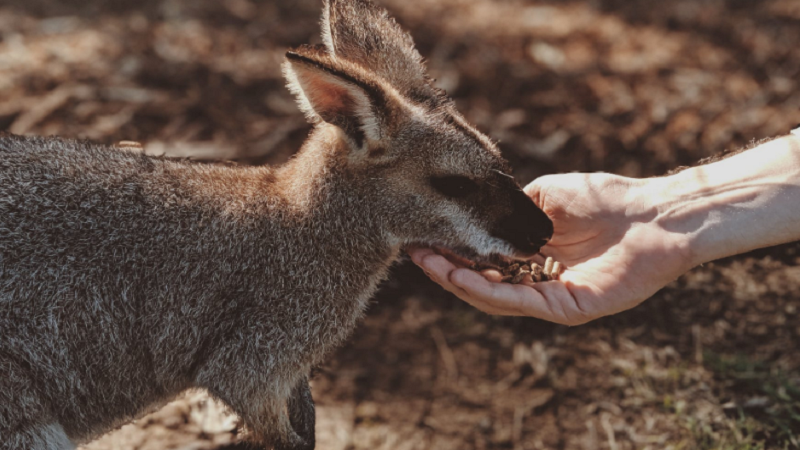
{"type": "Point", "coordinates": [632, 87]}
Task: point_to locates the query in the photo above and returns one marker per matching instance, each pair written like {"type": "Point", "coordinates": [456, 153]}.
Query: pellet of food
{"type": "Point", "coordinates": [525, 271]}
{"type": "Point", "coordinates": [557, 267]}
{"type": "Point", "coordinates": [519, 276]}
{"type": "Point", "coordinates": [548, 266]}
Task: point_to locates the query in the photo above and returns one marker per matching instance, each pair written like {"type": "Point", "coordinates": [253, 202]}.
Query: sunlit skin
{"type": "Point", "coordinates": [623, 239]}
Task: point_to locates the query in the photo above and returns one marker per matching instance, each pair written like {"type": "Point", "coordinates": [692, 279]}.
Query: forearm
{"type": "Point", "coordinates": [748, 201]}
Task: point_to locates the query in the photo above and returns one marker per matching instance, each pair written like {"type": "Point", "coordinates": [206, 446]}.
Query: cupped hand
{"type": "Point", "coordinates": [608, 235]}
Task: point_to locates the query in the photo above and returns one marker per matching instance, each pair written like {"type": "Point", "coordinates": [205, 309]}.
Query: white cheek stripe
{"type": "Point", "coordinates": [485, 244]}
{"type": "Point", "coordinates": [468, 233]}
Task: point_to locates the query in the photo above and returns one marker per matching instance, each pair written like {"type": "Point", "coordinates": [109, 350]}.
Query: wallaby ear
{"type": "Point", "coordinates": [336, 93]}
{"type": "Point", "coordinates": [362, 32]}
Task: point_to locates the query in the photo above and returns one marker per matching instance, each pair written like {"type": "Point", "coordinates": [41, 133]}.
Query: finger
{"type": "Point", "coordinates": [492, 275]}
{"type": "Point", "coordinates": [536, 188]}
{"type": "Point", "coordinates": [418, 253]}
{"type": "Point", "coordinates": [533, 190]}
{"type": "Point", "coordinates": [489, 309]}
{"type": "Point", "coordinates": [512, 299]}
{"type": "Point", "coordinates": [438, 268]}
{"type": "Point", "coordinates": [461, 278]}
{"type": "Point", "coordinates": [551, 300]}
{"type": "Point", "coordinates": [418, 256]}
{"type": "Point", "coordinates": [563, 302]}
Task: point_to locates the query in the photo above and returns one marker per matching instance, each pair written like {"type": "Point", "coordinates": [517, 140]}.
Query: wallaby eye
{"type": "Point", "coordinates": [454, 186]}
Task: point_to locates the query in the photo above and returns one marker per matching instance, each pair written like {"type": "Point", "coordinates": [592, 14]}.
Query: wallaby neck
{"type": "Point", "coordinates": [340, 211]}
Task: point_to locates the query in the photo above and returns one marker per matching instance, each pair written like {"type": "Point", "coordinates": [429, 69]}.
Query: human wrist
{"type": "Point", "coordinates": [661, 206]}
{"type": "Point", "coordinates": [747, 201]}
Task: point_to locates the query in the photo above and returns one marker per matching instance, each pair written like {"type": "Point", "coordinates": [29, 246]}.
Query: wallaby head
{"type": "Point", "coordinates": [439, 181]}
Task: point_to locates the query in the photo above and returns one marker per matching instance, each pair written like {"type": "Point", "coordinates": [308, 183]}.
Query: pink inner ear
{"type": "Point", "coordinates": [329, 98]}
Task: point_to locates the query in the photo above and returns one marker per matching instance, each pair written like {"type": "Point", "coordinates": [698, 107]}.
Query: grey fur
{"type": "Point", "coordinates": [126, 279]}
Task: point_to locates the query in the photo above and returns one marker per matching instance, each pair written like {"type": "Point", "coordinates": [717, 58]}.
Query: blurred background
{"type": "Point", "coordinates": [632, 87]}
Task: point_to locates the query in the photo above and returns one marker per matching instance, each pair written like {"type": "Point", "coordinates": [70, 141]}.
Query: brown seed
{"type": "Point", "coordinates": [517, 278]}
{"type": "Point", "coordinates": [527, 278]}
{"type": "Point", "coordinates": [479, 267]}
{"type": "Point", "coordinates": [529, 271]}
{"type": "Point", "coordinates": [536, 273]}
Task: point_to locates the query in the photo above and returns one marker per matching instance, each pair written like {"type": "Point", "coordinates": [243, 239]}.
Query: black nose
{"type": "Point", "coordinates": [527, 228]}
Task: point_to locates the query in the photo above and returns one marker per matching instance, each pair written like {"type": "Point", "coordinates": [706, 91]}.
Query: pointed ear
{"type": "Point", "coordinates": [336, 93]}
{"type": "Point", "coordinates": [363, 33]}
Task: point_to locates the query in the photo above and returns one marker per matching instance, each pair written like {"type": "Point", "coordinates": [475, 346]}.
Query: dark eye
{"type": "Point", "coordinates": [454, 186]}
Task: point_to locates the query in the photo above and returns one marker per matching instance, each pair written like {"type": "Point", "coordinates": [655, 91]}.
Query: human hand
{"type": "Point", "coordinates": [608, 234]}
{"type": "Point", "coordinates": [622, 239]}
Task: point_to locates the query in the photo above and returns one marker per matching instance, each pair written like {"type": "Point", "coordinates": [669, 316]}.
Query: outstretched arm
{"type": "Point", "coordinates": [623, 239]}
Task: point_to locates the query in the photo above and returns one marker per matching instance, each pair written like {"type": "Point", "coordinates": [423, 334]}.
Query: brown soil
{"type": "Point", "coordinates": [632, 87]}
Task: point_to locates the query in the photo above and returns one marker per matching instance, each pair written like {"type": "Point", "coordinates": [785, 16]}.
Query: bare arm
{"type": "Point", "coordinates": [623, 239]}
{"type": "Point", "coordinates": [748, 201]}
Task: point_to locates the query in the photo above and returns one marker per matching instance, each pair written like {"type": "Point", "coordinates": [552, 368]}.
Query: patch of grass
{"type": "Point", "coordinates": [762, 407]}
{"type": "Point", "coordinates": [738, 434]}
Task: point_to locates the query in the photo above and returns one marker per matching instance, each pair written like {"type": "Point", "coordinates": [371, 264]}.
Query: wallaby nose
{"type": "Point", "coordinates": [527, 228]}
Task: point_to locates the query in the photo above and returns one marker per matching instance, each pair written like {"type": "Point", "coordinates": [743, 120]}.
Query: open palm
{"type": "Point", "coordinates": [607, 234]}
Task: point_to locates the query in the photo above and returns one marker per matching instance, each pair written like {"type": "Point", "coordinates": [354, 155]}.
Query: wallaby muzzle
{"type": "Point", "coordinates": [527, 228]}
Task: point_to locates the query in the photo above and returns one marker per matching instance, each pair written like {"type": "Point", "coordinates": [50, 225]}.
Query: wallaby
{"type": "Point", "coordinates": [126, 279]}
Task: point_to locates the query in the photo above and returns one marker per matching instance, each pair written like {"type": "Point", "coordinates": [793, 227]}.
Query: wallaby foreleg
{"type": "Point", "coordinates": [272, 428]}
{"type": "Point", "coordinates": [274, 422]}
{"type": "Point", "coordinates": [302, 415]}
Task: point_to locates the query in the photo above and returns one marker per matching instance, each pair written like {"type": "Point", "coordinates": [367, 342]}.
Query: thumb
{"type": "Point", "coordinates": [536, 189]}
